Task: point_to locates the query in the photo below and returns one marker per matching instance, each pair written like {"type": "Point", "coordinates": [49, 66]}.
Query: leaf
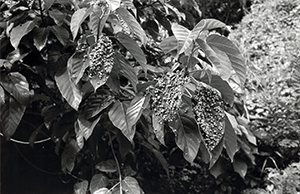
{"type": "Point", "coordinates": [240, 167]}
{"type": "Point", "coordinates": [18, 32]}
{"type": "Point", "coordinates": [2, 96]}
{"type": "Point", "coordinates": [57, 16]}
{"type": "Point", "coordinates": [81, 187]}
{"type": "Point", "coordinates": [218, 168]}
{"type": "Point", "coordinates": [48, 4]}
{"type": "Point", "coordinates": [216, 153]}
{"type": "Point", "coordinates": [225, 69]}
{"type": "Point", "coordinates": [84, 128]}
{"type": "Point", "coordinates": [132, 47]}
{"type": "Point", "coordinates": [235, 56]}
{"type": "Point", "coordinates": [17, 86]}
{"type": "Point", "coordinates": [68, 89]}
{"type": "Point", "coordinates": [77, 19]}
{"type": "Point", "coordinates": [187, 136]}
{"type": "Point", "coordinates": [96, 103]}
{"type": "Point", "coordinates": [182, 35]}
{"type": "Point", "coordinates": [98, 18]}
{"type": "Point", "coordinates": [222, 86]}
{"type": "Point", "coordinates": [98, 181]}
{"type": "Point", "coordinates": [124, 144]}
{"type": "Point", "coordinates": [132, 24]}
{"type": "Point", "coordinates": [230, 138]}
{"type": "Point", "coordinates": [61, 34]}
{"type": "Point", "coordinates": [168, 44]}
{"type": "Point", "coordinates": [114, 4]}
{"type": "Point", "coordinates": [103, 191]}
{"type": "Point", "coordinates": [69, 155]}
{"type": "Point", "coordinates": [32, 137]}
{"type": "Point", "coordinates": [209, 52]}
{"type": "Point", "coordinates": [126, 69]}
{"type": "Point", "coordinates": [40, 37]}
{"type": "Point", "coordinates": [207, 24]}
{"type": "Point", "coordinates": [131, 186]}
{"type": "Point", "coordinates": [126, 118]}
{"type": "Point", "coordinates": [158, 129]}
{"type": "Point", "coordinates": [11, 114]}
{"type": "Point", "coordinates": [107, 166]}
{"type": "Point", "coordinates": [77, 64]}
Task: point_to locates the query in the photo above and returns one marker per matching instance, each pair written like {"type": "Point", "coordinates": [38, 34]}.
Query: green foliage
{"type": "Point", "coordinates": [110, 89]}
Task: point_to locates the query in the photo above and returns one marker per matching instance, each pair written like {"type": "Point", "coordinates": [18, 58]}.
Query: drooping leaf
{"type": "Point", "coordinates": [84, 128]}
{"type": "Point", "coordinates": [126, 69]}
{"type": "Point", "coordinates": [221, 85]}
{"type": "Point", "coordinates": [114, 4]}
{"type": "Point", "coordinates": [57, 16]}
{"type": "Point", "coordinates": [61, 34]}
{"type": "Point", "coordinates": [216, 153]}
{"type": "Point", "coordinates": [77, 19]}
{"type": "Point", "coordinates": [168, 44]}
{"type": "Point", "coordinates": [32, 137]}
{"type": "Point", "coordinates": [218, 168]}
{"type": "Point", "coordinates": [124, 144]}
{"type": "Point", "coordinates": [132, 47]}
{"type": "Point", "coordinates": [81, 187]}
{"type": "Point", "coordinates": [125, 118]}
{"type": "Point", "coordinates": [11, 114]}
{"type": "Point", "coordinates": [132, 24]}
{"type": "Point", "coordinates": [240, 167]}
{"type": "Point", "coordinates": [77, 64]}
{"type": "Point", "coordinates": [17, 86]}
{"type": "Point", "coordinates": [235, 56]}
{"type": "Point", "coordinates": [68, 89]}
{"type": "Point", "coordinates": [131, 186]}
{"type": "Point", "coordinates": [158, 129]}
{"type": "Point", "coordinates": [48, 4]}
{"type": "Point", "coordinates": [107, 166]}
{"type": "Point", "coordinates": [40, 37]}
{"type": "Point", "coordinates": [230, 138]}
{"type": "Point", "coordinates": [98, 181]}
{"type": "Point", "coordinates": [18, 32]}
{"type": "Point", "coordinates": [187, 136]}
{"type": "Point", "coordinates": [69, 155]}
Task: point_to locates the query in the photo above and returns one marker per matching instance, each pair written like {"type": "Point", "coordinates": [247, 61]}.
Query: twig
{"type": "Point", "coordinates": [41, 11]}
{"type": "Point", "coordinates": [118, 166]}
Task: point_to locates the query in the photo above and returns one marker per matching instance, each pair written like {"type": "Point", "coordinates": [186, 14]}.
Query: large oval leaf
{"type": "Point", "coordinates": [11, 114]}
{"type": "Point", "coordinates": [235, 56]}
{"type": "Point", "coordinates": [240, 166]}
{"type": "Point", "coordinates": [168, 44]}
{"type": "Point", "coordinates": [187, 136]}
{"type": "Point", "coordinates": [182, 35]}
{"type": "Point", "coordinates": [114, 4]}
{"type": "Point", "coordinates": [126, 118]}
{"type": "Point", "coordinates": [40, 37]}
{"type": "Point", "coordinates": [158, 129]}
{"type": "Point", "coordinates": [61, 34]}
{"type": "Point", "coordinates": [132, 47]}
{"type": "Point", "coordinates": [17, 86]}
{"type": "Point", "coordinates": [81, 187]}
{"type": "Point", "coordinates": [98, 181]}
{"type": "Point", "coordinates": [132, 23]}
{"type": "Point", "coordinates": [18, 32]}
{"type": "Point", "coordinates": [69, 155]}
{"type": "Point", "coordinates": [206, 24]}
{"type": "Point", "coordinates": [107, 166]}
{"type": "Point", "coordinates": [68, 89]}
{"type": "Point", "coordinates": [77, 18]}
{"type": "Point", "coordinates": [131, 186]}
{"type": "Point", "coordinates": [77, 65]}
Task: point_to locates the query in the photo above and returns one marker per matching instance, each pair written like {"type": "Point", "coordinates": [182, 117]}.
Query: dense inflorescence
{"type": "Point", "coordinates": [101, 59]}
{"type": "Point", "coordinates": [166, 95]}
{"type": "Point", "coordinates": [209, 112]}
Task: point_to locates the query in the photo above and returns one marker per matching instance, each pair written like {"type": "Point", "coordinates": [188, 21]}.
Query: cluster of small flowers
{"type": "Point", "coordinates": [209, 112]}
{"type": "Point", "coordinates": [101, 59]}
{"type": "Point", "coordinates": [166, 95]}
